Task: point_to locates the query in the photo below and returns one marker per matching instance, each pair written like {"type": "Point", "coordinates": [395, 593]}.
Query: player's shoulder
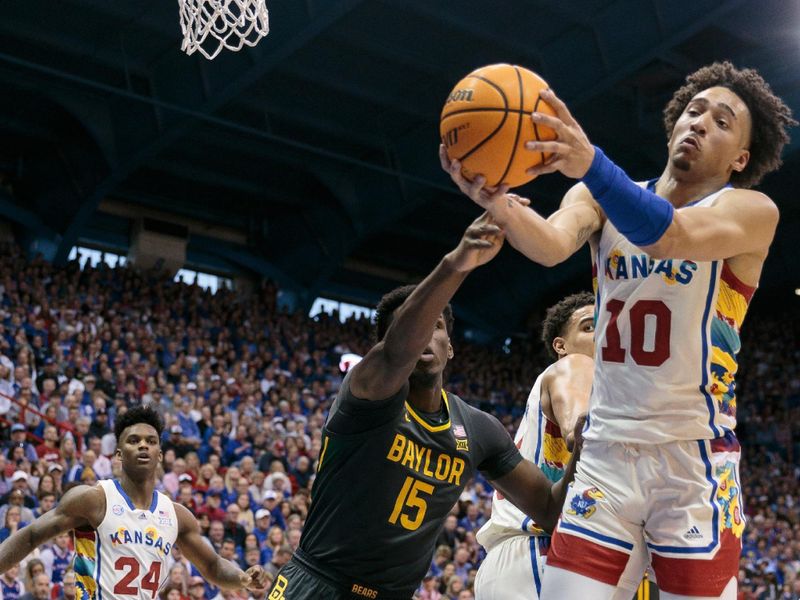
{"type": "Point", "coordinates": [474, 418]}
{"type": "Point", "coordinates": [744, 196]}
{"type": "Point", "coordinates": [568, 365]}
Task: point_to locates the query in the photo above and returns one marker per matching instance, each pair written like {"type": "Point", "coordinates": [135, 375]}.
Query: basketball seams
{"type": "Point", "coordinates": [491, 83]}
{"type": "Point", "coordinates": [480, 144]}
{"type": "Point", "coordinates": [519, 127]}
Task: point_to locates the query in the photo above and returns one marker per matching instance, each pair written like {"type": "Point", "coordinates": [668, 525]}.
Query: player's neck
{"type": "Point", "coordinates": [139, 491]}
{"type": "Point", "coordinates": [427, 398]}
{"type": "Point", "coordinates": [681, 190]}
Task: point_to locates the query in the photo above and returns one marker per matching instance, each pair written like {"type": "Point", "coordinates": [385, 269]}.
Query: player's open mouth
{"type": "Point", "coordinates": [691, 142]}
{"type": "Point", "coordinates": [427, 356]}
{"type": "Point", "coordinates": [143, 458]}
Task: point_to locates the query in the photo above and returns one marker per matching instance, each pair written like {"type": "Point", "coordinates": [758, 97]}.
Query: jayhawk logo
{"type": "Point", "coordinates": [584, 504]}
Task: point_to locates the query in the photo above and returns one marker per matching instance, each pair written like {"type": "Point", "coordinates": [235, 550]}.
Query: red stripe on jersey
{"type": "Point", "coordinates": [85, 534]}
{"type": "Point", "coordinates": [694, 577]}
{"type": "Point", "coordinates": [576, 554]}
{"type": "Point", "coordinates": [737, 284]}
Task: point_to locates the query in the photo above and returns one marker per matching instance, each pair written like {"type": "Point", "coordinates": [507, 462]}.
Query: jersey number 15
{"type": "Point", "coordinates": [407, 500]}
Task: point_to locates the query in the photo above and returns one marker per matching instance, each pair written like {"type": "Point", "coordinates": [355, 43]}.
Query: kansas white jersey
{"type": "Point", "coordinates": [540, 441]}
{"type": "Point", "coordinates": [666, 341]}
{"type": "Point", "coordinates": [125, 557]}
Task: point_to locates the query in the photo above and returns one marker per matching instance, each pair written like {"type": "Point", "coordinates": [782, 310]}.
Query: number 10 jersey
{"type": "Point", "coordinates": [125, 556]}
{"type": "Point", "coordinates": [666, 344]}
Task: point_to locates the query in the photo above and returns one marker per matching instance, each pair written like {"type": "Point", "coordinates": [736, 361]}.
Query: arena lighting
{"type": "Point", "coordinates": [797, 291]}
{"type": "Point", "coordinates": [348, 361]}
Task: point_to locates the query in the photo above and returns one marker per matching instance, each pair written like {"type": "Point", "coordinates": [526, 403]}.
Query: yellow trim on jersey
{"type": "Point", "coordinates": [322, 456]}
{"type": "Point", "coordinates": [425, 424]}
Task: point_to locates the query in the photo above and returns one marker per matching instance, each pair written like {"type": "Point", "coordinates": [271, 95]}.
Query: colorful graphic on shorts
{"type": "Point", "coordinates": [555, 455]}
{"type": "Point", "coordinates": [732, 302]}
{"type": "Point", "coordinates": [728, 498]}
{"type": "Point", "coordinates": [584, 505]}
{"type": "Point", "coordinates": [85, 564]}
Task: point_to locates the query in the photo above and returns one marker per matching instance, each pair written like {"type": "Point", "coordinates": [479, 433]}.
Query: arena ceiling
{"type": "Point", "coordinates": [317, 150]}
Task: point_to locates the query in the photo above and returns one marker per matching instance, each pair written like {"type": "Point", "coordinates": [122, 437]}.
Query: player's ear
{"type": "Point", "coordinates": [450, 352]}
{"type": "Point", "coordinates": [559, 346]}
{"type": "Point", "coordinates": [741, 161]}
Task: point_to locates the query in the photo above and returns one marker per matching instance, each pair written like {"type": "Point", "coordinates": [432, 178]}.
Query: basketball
{"type": "Point", "coordinates": [486, 121]}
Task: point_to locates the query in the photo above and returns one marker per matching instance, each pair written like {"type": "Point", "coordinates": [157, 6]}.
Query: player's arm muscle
{"type": "Point", "coordinates": [387, 366]}
{"type": "Point", "coordinates": [530, 490]}
{"type": "Point", "coordinates": [553, 240]}
{"type": "Point", "coordinates": [742, 222]}
{"type": "Point", "coordinates": [568, 387]}
{"type": "Point", "coordinates": [219, 571]}
{"type": "Point", "coordinates": [81, 506]}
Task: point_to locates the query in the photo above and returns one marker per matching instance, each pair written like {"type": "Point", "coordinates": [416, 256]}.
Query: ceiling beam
{"type": "Point", "coordinates": [172, 74]}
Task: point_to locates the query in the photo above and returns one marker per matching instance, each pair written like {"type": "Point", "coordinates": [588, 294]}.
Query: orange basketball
{"type": "Point", "coordinates": [487, 120]}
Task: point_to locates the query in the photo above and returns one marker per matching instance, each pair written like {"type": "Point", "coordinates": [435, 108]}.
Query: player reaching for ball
{"type": "Point", "coordinates": [398, 450]}
{"type": "Point", "coordinates": [678, 259]}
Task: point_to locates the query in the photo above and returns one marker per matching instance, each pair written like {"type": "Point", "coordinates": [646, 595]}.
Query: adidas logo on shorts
{"type": "Point", "coordinates": [693, 534]}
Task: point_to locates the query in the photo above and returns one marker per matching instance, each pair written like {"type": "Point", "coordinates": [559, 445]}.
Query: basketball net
{"type": "Point", "coordinates": [210, 25]}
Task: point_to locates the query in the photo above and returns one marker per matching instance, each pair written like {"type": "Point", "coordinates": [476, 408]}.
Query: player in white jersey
{"type": "Point", "coordinates": [516, 547]}
{"type": "Point", "coordinates": [677, 261]}
{"type": "Point", "coordinates": [125, 529]}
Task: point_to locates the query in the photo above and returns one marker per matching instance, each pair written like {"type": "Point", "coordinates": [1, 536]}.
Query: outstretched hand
{"type": "Point", "coordinates": [571, 152]}
{"type": "Point", "coordinates": [483, 196]}
{"type": "Point", "coordinates": [255, 579]}
{"type": "Point", "coordinates": [480, 243]}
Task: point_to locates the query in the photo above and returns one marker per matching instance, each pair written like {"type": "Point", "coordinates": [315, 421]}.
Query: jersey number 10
{"type": "Point", "coordinates": [613, 351]}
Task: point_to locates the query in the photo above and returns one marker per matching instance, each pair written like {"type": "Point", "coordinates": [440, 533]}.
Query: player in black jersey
{"type": "Point", "coordinates": [398, 450]}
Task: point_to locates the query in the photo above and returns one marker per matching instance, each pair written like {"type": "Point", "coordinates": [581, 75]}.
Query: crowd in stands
{"type": "Point", "coordinates": [244, 388]}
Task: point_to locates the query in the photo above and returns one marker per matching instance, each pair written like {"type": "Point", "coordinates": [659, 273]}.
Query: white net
{"type": "Point", "coordinates": [210, 25]}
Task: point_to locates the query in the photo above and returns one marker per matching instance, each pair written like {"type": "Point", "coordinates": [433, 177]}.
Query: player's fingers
{"type": "Point", "coordinates": [520, 199]}
{"type": "Point", "coordinates": [549, 147]}
{"type": "Point", "coordinates": [561, 128]}
{"type": "Point", "coordinates": [543, 169]}
{"type": "Point", "coordinates": [558, 105]}
{"type": "Point", "coordinates": [443, 158]}
{"type": "Point", "coordinates": [475, 188]}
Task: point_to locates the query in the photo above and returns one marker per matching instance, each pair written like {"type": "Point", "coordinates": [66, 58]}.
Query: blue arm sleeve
{"type": "Point", "coordinates": [637, 213]}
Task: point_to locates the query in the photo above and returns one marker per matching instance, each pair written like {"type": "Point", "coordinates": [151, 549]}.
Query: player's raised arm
{"type": "Point", "coordinates": [219, 571]}
{"type": "Point", "coordinates": [547, 241]}
{"type": "Point", "coordinates": [82, 506]}
{"type": "Point", "coordinates": [530, 490]}
{"type": "Point", "coordinates": [387, 366]}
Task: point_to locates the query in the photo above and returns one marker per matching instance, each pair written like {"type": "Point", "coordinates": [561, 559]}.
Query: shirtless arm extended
{"type": "Point", "coordinates": [81, 506]}
{"type": "Point", "coordinates": [219, 571]}
{"type": "Point", "coordinates": [547, 241]}
{"type": "Point", "coordinates": [387, 366]}
{"type": "Point", "coordinates": [741, 225]}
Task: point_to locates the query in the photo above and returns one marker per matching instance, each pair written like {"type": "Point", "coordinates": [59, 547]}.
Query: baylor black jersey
{"type": "Point", "coordinates": [387, 478]}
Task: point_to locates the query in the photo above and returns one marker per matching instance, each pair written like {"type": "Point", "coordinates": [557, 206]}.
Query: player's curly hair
{"type": "Point", "coordinates": [771, 117]}
{"type": "Point", "coordinates": [139, 414]}
{"type": "Point", "coordinates": [558, 315]}
{"type": "Point", "coordinates": [391, 301]}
